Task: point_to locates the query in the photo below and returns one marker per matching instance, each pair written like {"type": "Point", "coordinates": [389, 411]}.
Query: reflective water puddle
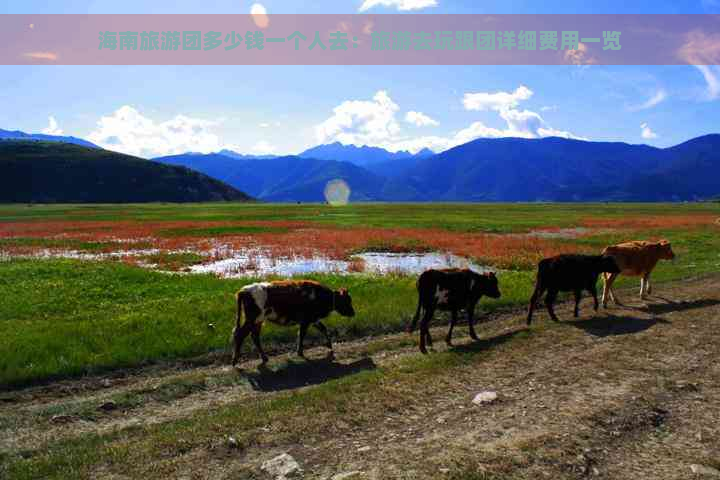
{"type": "Point", "coordinates": [260, 262]}
{"type": "Point", "coordinates": [257, 264]}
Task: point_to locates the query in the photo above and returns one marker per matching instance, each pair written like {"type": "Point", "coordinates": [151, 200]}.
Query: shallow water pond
{"type": "Point", "coordinates": [258, 264]}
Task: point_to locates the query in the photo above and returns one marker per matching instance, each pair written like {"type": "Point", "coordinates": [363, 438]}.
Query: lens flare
{"type": "Point", "coordinates": [259, 15]}
{"type": "Point", "coordinates": [337, 192]}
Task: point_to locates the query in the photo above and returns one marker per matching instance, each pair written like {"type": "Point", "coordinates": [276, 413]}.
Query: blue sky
{"type": "Point", "coordinates": [156, 110]}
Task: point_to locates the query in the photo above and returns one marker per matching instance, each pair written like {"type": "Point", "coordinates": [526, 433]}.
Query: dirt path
{"type": "Point", "coordinates": [631, 392]}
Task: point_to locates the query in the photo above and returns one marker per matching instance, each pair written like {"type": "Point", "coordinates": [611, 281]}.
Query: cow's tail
{"type": "Point", "coordinates": [239, 301]}
{"type": "Point", "coordinates": [238, 314]}
{"type": "Point", "coordinates": [238, 319]}
{"type": "Point", "coordinates": [411, 326]}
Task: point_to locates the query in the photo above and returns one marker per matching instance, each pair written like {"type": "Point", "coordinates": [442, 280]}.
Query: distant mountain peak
{"type": "Point", "coordinates": [19, 135]}
{"type": "Point", "coordinates": [242, 156]}
{"type": "Point", "coordinates": [363, 155]}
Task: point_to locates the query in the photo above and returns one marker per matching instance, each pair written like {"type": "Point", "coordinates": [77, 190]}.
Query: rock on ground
{"type": "Point", "coordinates": [703, 470]}
{"type": "Point", "coordinates": [485, 397]}
{"type": "Point", "coordinates": [281, 467]}
{"type": "Point", "coordinates": [354, 475]}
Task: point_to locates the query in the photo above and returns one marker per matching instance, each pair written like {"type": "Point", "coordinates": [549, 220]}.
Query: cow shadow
{"type": "Point", "coordinates": [613, 325]}
{"type": "Point", "coordinates": [671, 306]}
{"type": "Point", "coordinates": [300, 373]}
{"type": "Point", "coordinates": [487, 343]}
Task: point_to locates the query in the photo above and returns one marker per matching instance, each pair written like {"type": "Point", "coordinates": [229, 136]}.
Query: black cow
{"type": "Point", "coordinates": [290, 302]}
{"type": "Point", "coordinates": [450, 289]}
{"type": "Point", "coordinates": [569, 273]}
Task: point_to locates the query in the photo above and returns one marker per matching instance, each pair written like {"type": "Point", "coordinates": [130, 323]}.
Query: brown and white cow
{"type": "Point", "coordinates": [635, 259]}
{"type": "Point", "coordinates": [288, 302]}
{"type": "Point", "coordinates": [450, 289]}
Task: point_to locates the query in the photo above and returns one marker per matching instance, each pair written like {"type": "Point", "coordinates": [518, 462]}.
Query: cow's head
{"type": "Point", "coordinates": [343, 303]}
{"type": "Point", "coordinates": [489, 284]}
{"type": "Point", "coordinates": [608, 264]}
{"type": "Point", "coordinates": [665, 250]}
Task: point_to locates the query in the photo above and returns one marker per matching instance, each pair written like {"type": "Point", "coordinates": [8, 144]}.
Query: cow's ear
{"type": "Point", "coordinates": [664, 242]}
{"type": "Point", "coordinates": [343, 291]}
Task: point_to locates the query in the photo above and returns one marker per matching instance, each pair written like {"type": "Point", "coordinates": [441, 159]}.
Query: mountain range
{"type": "Point", "coordinates": [50, 172]}
{"type": "Point", "coordinates": [375, 159]}
{"type": "Point", "coordinates": [6, 135]}
{"type": "Point", "coordinates": [283, 179]}
{"type": "Point", "coordinates": [498, 169]}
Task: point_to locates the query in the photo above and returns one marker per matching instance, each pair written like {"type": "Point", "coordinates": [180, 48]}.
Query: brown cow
{"type": "Point", "coordinates": [635, 259]}
{"type": "Point", "coordinates": [450, 289]}
{"type": "Point", "coordinates": [288, 302]}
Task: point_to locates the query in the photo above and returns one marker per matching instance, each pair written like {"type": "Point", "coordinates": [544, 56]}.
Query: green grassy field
{"type": "Point", "coordinates": [485, 217]}
{"type": "Point", "coordinates": [69, 317]}
{"type": "Point", "coordinates": [61, 318]}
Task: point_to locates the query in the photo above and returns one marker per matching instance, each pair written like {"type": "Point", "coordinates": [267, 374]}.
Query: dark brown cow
{"type": "Point", "coordinates": [450, 289]}
{"type": "Point", "coordinates": [302, 302]}
{"type": "Point", "coordinates": [569, 273]}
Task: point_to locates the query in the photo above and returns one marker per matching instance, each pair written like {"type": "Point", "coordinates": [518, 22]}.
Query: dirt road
{"type": "Point", "coordinates": [631, 392]}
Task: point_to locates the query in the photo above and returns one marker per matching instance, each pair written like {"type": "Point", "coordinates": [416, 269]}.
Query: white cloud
{"type": "Point", "coordinates": [399, 4]}
{"type": "Point", "coordinates": [496, 100]}
{"type": "Point", "coordinates": [414, 145]}
{"type": "Point", "coordinates": [702, 51]}
{"type": "Point", "coordinates": [711, 73]}
{"type": "Point", "coordinates": [52, 128]}
{"type": "Point", "coordinates": [258, 9]}
{"type": "Point", "coordinates": [520, 123]}
{"type": "Point", "coordinates": [580, 56]}
{"type": "Point", "coordinates": [363, 122]}
{"type": "Point", "coordinates": [419, 119]}
{"type": "Point", "coordinates": [47, 56]}
{"type": "Point", "coordinates": [523, 122]}
{"type": "Point", "coordinates": [128, 131]}
{"type": "Point", "coordinates": [269, 124]}
{"type": "Point", "coordinates": [658, 97]}
{"type": "Point", "coordinates": [646, 132]}
{"type": "Point", "coordinates": [549, 108]}
{"type": "Point", "coordinates": [263, 148]}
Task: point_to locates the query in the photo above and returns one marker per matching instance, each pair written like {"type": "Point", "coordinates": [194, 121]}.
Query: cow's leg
{"type": "Point", "coordinates": [648, 287]}
{"type": "Point", "coordinates": [471, 321]}
{"type": "Point", "coordinates": [593, 291]}
{"type": "Point", "coordinates": [453, 320]}
{"type": "Point", "coordinates": [411, 328]}
{"type": "Point", "coordinates": [239, 337]}
{"type": "Point", "coordinates": [425, 338]}
{"type": "Point", "coordinates": [539, 290]}
{"type": "Point", "coordinates": [304, 324]}
{"type": "Point", "coordinates": [578, 296]}
{"type": "Point", "coordinates": [324, 331]}
{"type": "Point", "coordinates": [605, 277]}
{"type": "Point", "coordinates": [549, 301]}
{"type": "Point", "coordinates": [256, 340]}
{"type": "Point", "coordinates": [610, 292]}
{"type": "Point", "coordinates": [642, 288]}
